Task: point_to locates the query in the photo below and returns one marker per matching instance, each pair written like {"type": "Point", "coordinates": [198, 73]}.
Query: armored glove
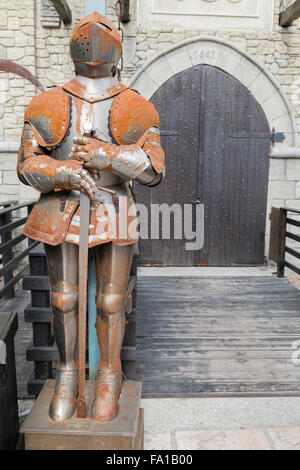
{"type": "Point", "coordinates": [46, 174]}
{"type": "Point", "coordinates": [128, 161]}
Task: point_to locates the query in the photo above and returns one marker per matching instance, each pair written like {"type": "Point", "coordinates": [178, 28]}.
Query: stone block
{"type": "Point", "coordinates": [10, 177]}
{"type": "Point", "coordinates": [8, 161]}
{"type": "Point", "coordinates": [277, 169]}
{"type": "Point", "coordinates": [246, 72]}
{"type": "Point", "coordinates": [281, 189]}
{"type": "Point", "coordinates": [297, 190]}
{"type": "Point", "coordinates": [145, 85]}
{"type": "Point", "coordinates": [293, 169]}
{"type": "Point", "coordinates": [228, 60]}
{"type": "Point", "coordinates": [274, 107]}
{"type": "Point", "coordinates": [179, 59]}
{"type": "Point", "coordinates": [203, 52]}
{"type": "Point", "coordinates": [160, 70]}
{"type": "Point", "coordinates": [9, 189]}
{"type": "Point", "coordinates": [262, 88]}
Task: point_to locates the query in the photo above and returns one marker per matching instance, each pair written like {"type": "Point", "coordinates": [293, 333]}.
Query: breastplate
{"type": "Point", "coordinates": [85, 117]}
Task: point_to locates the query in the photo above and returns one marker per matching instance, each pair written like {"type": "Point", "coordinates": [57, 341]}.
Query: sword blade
{"type": "Point", "coordinates": [82, 299]}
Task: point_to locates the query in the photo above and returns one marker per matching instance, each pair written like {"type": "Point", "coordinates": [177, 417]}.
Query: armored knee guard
{"type": "Point", "coordinates": [64, 301]}
{"type": "Point", "coordinates": [111, 304]}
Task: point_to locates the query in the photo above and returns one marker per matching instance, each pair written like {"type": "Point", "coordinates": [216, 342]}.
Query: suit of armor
{"type": "Point", "coordinates": [93, 135]}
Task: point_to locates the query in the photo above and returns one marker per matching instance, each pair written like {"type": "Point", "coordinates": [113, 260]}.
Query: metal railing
{"type": "Point", "coordinates": [12, 267]}
{"type": "Point", "coordinates": [284, 235]}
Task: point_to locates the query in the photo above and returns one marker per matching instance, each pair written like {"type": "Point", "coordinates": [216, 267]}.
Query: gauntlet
{"type": "Point", "coordinates": [131, 162]}
{"type": "Point", "coordinates": [47, 174]}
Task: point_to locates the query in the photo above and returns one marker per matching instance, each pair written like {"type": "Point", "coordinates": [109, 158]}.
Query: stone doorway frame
{"type": "Point", "coordinates": [218, 52]}
{"type": "Point", "coordinates": [230, 58]}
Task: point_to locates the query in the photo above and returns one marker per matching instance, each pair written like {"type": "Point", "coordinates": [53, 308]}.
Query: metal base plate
{"type": "Point", "coordinates": [125, 432]}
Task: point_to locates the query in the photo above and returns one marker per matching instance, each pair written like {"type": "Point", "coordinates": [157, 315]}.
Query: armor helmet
{"type": "Point", "coordinates": [95, 46]}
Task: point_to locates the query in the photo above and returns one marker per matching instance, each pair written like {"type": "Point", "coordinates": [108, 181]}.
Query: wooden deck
{"type": "Point", "coordinates": [217, 336]}
{"type": "Point", "coordinates": [208, 336]}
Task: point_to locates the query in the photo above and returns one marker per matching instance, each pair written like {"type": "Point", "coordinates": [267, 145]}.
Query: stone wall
{"type": "Point", "coordinates": [44, 51]}
{"type": "Point", "coordinates": [26, 39]}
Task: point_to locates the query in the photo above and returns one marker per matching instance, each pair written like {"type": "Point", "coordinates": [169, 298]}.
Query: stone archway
{"type": "Point", "coordinates": [230, 58]}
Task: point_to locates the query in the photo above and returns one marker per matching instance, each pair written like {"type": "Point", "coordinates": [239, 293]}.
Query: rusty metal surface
{"type": "Point", "coordinates": [78, 88]}
{"type": "Point", "coordinates": [63, 269]}
{"type": "Point", "coordinates": [131, 116]}
{"type": "Point", "coordinates": [106, 395]}
{"type": "Point", "coordinates": [112, 266]}
{"type": "Point", "coordinates": [125, 423]}
{"type": "Point", "coordinates": [69, 154]}
{"type": "Point", "coordinates": [123, 432]}
{"type": "Point", "coordinates": [45, 173]}
{"type": "Point", "coordinates": [47, 223]}
{"type": "Point", "coordinates": [82, 300]}
{"type": "Point", "coordinates": [217, 140]}
{"type": "Point", "coordinates": [105, 222]}
{"type": "Point", "coordinates": [95, 46]}
{"type": "Point", "coordinates": [49, 114]}
{"type": "Point", "coordinates": [12, 67]}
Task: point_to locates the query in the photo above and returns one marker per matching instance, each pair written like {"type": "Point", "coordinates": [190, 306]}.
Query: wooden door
{"type": "Point", "coordinates": [217, 142]}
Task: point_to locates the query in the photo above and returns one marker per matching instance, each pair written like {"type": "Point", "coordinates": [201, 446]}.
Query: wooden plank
{"type": "Point", "coordinates": [290, 14]}
{"type": "Point", "coordinates": [8, 386]}
{"type": "Point", "coordinates": [36, 283]}
{"type": "Point", "coordinates": [13, 281]}
{"type": "Point", "coordinates": [274, 234]}
{"type": "Point", "coordinates": [241, 356]}
{"type": "Point", "coordinates": [37, 314]}
{"type": "Point", "coordinates": [50, 353]}
{"type": "Point", "coordinates": [11, 265]}
{"type": "Point", "coordinates": [209, 389]}
{"type": "Point", "coordinates": [11, 243]}
{"type": "Point", "coordinates": [292, 267]}
{"type": "Point", "coordinates": [292, 252]}
{"type": "Point", "coordinates": [217, 336]}
{"type": "Point", "coordinates": [223, 344]}
{"type": "Point", "coordinates": [211, 330]}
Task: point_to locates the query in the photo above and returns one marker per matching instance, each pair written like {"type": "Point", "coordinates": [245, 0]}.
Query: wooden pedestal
{"type": "Point", "coordinates": [125, 432]}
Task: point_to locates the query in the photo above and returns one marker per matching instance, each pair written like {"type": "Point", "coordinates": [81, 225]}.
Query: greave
{"type": "Point", "coordinates": [65, 326]}
{"type": "Point", "coordinates": [110, 331]}
{"type": "Point", "coordinates": [66, 385]}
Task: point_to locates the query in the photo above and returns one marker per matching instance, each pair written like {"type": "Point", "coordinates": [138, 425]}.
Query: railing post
{"type": "Point", "coordinates": [281, 242]}
{"type": "Point", "coordinates": [8, 254]}
{"type": "Point", "coordinates": [29, 209]}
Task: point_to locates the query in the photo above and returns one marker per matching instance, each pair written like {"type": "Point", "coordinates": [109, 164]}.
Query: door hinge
{"type": "Point", "coordinates": [277, 137]}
